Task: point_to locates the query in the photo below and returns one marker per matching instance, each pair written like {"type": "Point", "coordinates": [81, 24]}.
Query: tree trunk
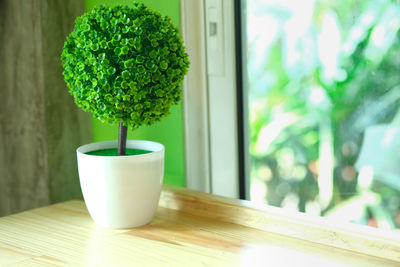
{"type": "Point", "coordinates": [122, 132]}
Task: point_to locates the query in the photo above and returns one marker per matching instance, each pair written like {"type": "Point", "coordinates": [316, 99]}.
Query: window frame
{"type": "Point", "coordinates": [211, 142]}
{"type": "Point", "coordinates": [195, 100]}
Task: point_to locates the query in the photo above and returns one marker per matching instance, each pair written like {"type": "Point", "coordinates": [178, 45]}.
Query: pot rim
{"type": "Point", "coordinates": [152, 146]}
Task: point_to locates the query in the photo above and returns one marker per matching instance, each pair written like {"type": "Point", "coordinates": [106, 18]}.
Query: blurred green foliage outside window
{"type": "Point", "coordinates": [324, 98]}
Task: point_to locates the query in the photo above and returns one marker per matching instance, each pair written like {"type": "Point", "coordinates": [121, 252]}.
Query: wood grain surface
{"type": "Point", "coordinates": [40, 126]}
{"type": "Point", "coordinates": [189, 229]}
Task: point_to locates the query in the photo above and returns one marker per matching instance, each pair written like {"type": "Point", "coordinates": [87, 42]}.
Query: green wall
{"type": "Point", "coordinates": [169, 131]}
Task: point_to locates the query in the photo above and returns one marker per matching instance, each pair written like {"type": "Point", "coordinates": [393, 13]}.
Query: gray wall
{"type": "Point", "coordinates": [40, 126]}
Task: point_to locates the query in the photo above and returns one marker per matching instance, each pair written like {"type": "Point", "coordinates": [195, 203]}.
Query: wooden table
{"type": "Point", "coordinates": [192, 229]}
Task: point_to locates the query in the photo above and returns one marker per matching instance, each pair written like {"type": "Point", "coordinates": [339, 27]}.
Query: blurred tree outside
{"type": "Point", "coordinates": [323, 74]}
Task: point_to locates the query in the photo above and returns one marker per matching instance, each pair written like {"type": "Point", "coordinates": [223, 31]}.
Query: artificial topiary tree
{"type": "Point", "coordinates": [126, 65]}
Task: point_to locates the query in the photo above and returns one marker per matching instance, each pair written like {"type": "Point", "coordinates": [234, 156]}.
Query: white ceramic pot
{"type": "Point", "coordinates": [121, 191]}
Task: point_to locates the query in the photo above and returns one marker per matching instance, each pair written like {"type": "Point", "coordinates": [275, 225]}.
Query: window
{"type": "Point", "coordinates": [320, 127]}
{"type": "Point", "coordinates": [324, 98]}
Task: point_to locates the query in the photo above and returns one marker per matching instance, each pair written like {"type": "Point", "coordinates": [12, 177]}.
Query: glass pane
{"type": "Point", "coordinates": [324, 97]}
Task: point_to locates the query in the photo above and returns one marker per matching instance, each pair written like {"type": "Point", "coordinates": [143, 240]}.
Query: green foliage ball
{"type": "Point", "coordinates": [125, 64]}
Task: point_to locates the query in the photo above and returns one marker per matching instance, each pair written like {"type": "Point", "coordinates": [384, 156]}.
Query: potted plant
{"type": "Point", "coordinates": [124, 65]}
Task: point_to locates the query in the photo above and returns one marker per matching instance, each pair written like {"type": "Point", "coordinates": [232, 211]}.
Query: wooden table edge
{"type": "Point", "coordinates": [357, 238]}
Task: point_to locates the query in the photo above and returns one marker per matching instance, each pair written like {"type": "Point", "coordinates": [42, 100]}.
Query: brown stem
{"type": "Point", "coordinates": [122, 132]}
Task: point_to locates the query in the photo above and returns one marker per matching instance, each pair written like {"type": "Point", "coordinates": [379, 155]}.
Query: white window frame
{"type": "Point", "coordinates": [209, 98]}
